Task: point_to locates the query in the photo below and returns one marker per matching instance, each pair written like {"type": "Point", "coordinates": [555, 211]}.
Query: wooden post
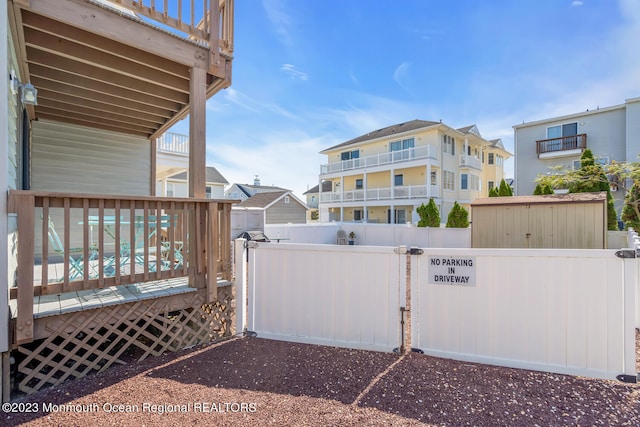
{"type": "Point", "coordinates": [197, 132]}
{"type": "Point", "coordinates": [25, 207]}
{"type": "Point", "coordinates": [212, 242]}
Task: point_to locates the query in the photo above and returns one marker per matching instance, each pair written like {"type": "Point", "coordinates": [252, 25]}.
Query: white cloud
{"type": "Point", "coordinates": [577, 3]}
{"type": "Point", "coordinates": [279, 19]}
{"type": "Point", "coordinates": [400, 74]}
{"type": "Point", "coordinates": [293, 73]}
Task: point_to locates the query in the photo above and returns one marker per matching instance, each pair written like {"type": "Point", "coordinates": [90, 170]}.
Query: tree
{"type": "Point", "coordinates": [630, 214]}
{"type": "Point", "coordinates": [493, 192]}
{"type": "Point", "coordinates": [542, 189]}
{"type": "Point", "coordinates": [505, 189]}
{"type": "Point", "coordinates": [429, 214]}
{"type": "Point", "coordinates": [458, 217]}
{"type": "Point", "coordinates": [591, 177]}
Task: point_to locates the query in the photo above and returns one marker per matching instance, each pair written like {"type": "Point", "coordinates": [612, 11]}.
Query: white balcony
{"type": "Point", "coordinates": [173, 143]}
{"type": "Point", "coordinates": [406, 192]}
{"type": "Point", "coordinates": [391, 157]}
{"type": "Point", "coordinates": [470, 162]}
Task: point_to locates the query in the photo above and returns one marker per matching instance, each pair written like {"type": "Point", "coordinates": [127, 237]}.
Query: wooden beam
{"type": "Point", "coordinates": [61, 82]}
{"type": "Point", "coordinates": [197, 133]}
{"type": "Point", "coordinates": [89, 17]}
{"type": "Point", "coordinates": [93, 119]}
{"type": "Point", "coordinates": [106, 61]}
{"type": "Point", "coordinates": [25, 207]}
{"type": "Point", "coordinates": [132, 84]}
{"type": "Point", "coordinates": [76, 121]}
{"type": "Point", "coordinates": [93, 103]}
{"type": "Point", "coordinates": [59, 29]}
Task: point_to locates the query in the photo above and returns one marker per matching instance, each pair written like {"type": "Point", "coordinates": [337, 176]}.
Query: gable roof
{"type": "Point", "coordinates": [245, 188]}
{"type": "Point", "coordinates": [211, 175]}
{"type": "Point", "coordinates": [470, 129]}
{"type": "Point", "coordinates": [387, 131]}
{"type": "Point", "coordinates": [265, 200]}
{"type": "Point", "coordinates": [327, 186]}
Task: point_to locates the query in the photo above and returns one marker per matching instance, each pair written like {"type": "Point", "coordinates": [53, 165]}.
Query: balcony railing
{"type": "Point", "coordinates": [207, 21]}
{"type": "Point", "coordinates": [470, 162]}
{"type": "Point", "coordinates": [375, 194]}
{"type": "Point", "coordinates": [173, 143]}
{"type": "Point", "coordinates": [422, 152]}
{"type": "Point", "coordinates": [102, 241]}
{"type": "Point", "coordinates": [565, 143]}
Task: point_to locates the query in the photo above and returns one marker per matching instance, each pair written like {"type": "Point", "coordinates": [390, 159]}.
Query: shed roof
{"type": "Point", "coordinates": [543, 199]}
{"type": "Point", "coordinates": [212, 175]}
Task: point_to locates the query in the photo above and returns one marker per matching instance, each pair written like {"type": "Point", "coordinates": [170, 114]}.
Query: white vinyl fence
{"type": "Point", "coordinates": [372, 234]}
{"type": "Point", "coordinates": [552, 310]}
{"type": "Point", "coordinates": [344, 296]}
{"type": "Point", "coordinates": [556, 310]}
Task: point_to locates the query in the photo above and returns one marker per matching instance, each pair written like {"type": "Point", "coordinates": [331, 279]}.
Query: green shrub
{"type": "Point", "coordinates": [458, 217]}
{"type": "Point", "coordinates": [429, 214]}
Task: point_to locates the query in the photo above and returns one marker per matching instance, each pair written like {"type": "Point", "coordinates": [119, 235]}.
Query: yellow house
{"type": "Point", "coordinates": [384, 175]}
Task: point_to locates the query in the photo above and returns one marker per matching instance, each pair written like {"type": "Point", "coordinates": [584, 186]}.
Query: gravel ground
{"type": "Point", "coordinates": [252, 381]}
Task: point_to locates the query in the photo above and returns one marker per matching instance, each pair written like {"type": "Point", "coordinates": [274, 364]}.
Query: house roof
{"type": "Point", "coordinates": [542, 199]}
{"type": "Point", "coordinates": [264, 200]}
{"type": "Point", "coordinates": [327, 186]}
{"type": "Point", "coordinates": [258, 189]}
{"type": "Point", "coordinates": [387, 131]}
{"type": "Point", "coordinates": [470, 129]}
{"type": "Point", "coordinates": [212, 175]}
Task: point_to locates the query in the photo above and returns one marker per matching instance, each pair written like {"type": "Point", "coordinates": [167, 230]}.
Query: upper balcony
{"type": "Point", "coordinates": [129, 66]}
{"type": "Point", "coordinates": [470, 162]}
{"type": "Point", "coordinates": [561, 147]}
{"type": "Point", "coordinates": [382, 159]}
{"type": "Point", "coordinates": [404, 192]}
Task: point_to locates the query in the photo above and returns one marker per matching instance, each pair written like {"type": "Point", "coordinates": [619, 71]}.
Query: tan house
{"type": "Point", "coordinates": [384, 175]}
{"type": "Point", "coordinates": [89, 87]}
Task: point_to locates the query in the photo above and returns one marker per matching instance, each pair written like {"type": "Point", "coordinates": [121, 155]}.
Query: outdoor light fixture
{"type": "Point", "coordinates": [28, 93]}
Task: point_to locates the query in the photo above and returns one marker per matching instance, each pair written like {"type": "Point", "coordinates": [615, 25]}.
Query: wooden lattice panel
{"type": "Point", "coordinates": [124, 333]}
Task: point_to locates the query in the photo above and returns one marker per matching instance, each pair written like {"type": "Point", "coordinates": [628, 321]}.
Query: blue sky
{"type": "Point", "coordinates": [309, 74]}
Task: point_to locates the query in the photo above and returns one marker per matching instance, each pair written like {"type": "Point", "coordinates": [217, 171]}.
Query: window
{"type": "Point", "coordinates": [402, 145]}
{"type": "Point", "coordinates": [208, 192]}
{"type": "Point", "coordinates": [313, 199]}
{"type": "Point", "coordinates": [286, 199]}
{"type": "Point", "coordinates": [491, 156]}
{"type": "Point", "coordinates": [448, 144]}
{"type": "Point", "coordinates": [490, 184]}
{"type": "Point", "coordinates": [359, 184]}
{"type": "Point", "coordinates": [398, 180]}
{"type": "Point", "coordinates": [469, 182]}
{"type": "Point", "coordinates": [448, 180]}
{"type": "Point", "coordinates": [348, 155]}
{"type": "Point", "coordinates": [567, 129]}
{"type": "Point", "coordinates": [577, 164]}
{"type": "Point", "coordinates": [170, 189]}
{"type": "Point", "coordinates": [434, 180]}
{"type": "Point", "coordinates": [357, 215]}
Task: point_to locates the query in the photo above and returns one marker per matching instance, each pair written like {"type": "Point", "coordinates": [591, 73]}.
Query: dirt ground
{"type": "Point", "coordinates": [253, 381]}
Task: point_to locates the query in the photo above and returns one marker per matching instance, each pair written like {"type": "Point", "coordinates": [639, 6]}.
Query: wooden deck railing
{"type": "Point", "coordinates": [208, 21]}
{"type": "Point", "coordinates": [103, 241]}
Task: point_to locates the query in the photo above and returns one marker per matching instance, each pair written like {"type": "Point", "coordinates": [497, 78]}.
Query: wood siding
{"type": "Point", "coordinates": [568, 225]}
{"type": "Point", "coordinates": [77, 159]}
{"type": "Point", "coordinates": [284, 213]}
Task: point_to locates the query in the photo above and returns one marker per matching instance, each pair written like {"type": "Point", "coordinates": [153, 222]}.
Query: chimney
{"type": "Point", "coordinates": [256, 181]}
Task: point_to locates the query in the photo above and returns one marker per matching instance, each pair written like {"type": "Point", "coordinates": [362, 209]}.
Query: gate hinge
{"type": "Point", "coordinates": [628, 378]}
{"type": "Point", "coordinates": [627, 253]}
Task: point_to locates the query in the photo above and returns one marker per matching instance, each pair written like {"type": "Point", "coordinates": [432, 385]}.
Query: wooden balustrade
{"type": "Point", "coordinates": [104, 240]}
{"type": "Point", "coordinates": [208, 21]}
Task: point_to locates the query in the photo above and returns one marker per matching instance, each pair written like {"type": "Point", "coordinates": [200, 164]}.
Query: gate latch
{"type": "Point", "coordinates": [416, 251]}
{"type": "Point", "coordinates": [626, 253]}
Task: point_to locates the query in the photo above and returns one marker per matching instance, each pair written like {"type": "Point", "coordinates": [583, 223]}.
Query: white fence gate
{"type": "Point", "coordinates": [344, 296]}
{"type": "Point", "coordinates": [558, 310]}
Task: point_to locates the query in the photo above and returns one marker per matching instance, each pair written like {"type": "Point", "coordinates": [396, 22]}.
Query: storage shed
{"type": "Point", "coordinates": [577, 220]}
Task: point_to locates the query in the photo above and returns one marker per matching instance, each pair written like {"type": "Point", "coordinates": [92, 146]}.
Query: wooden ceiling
{"type": "Point", "coordinates": [101, 80]}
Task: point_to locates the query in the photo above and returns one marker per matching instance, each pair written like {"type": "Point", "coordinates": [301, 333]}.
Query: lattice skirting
{"type": "Point", "coordinates": [91, 341]}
